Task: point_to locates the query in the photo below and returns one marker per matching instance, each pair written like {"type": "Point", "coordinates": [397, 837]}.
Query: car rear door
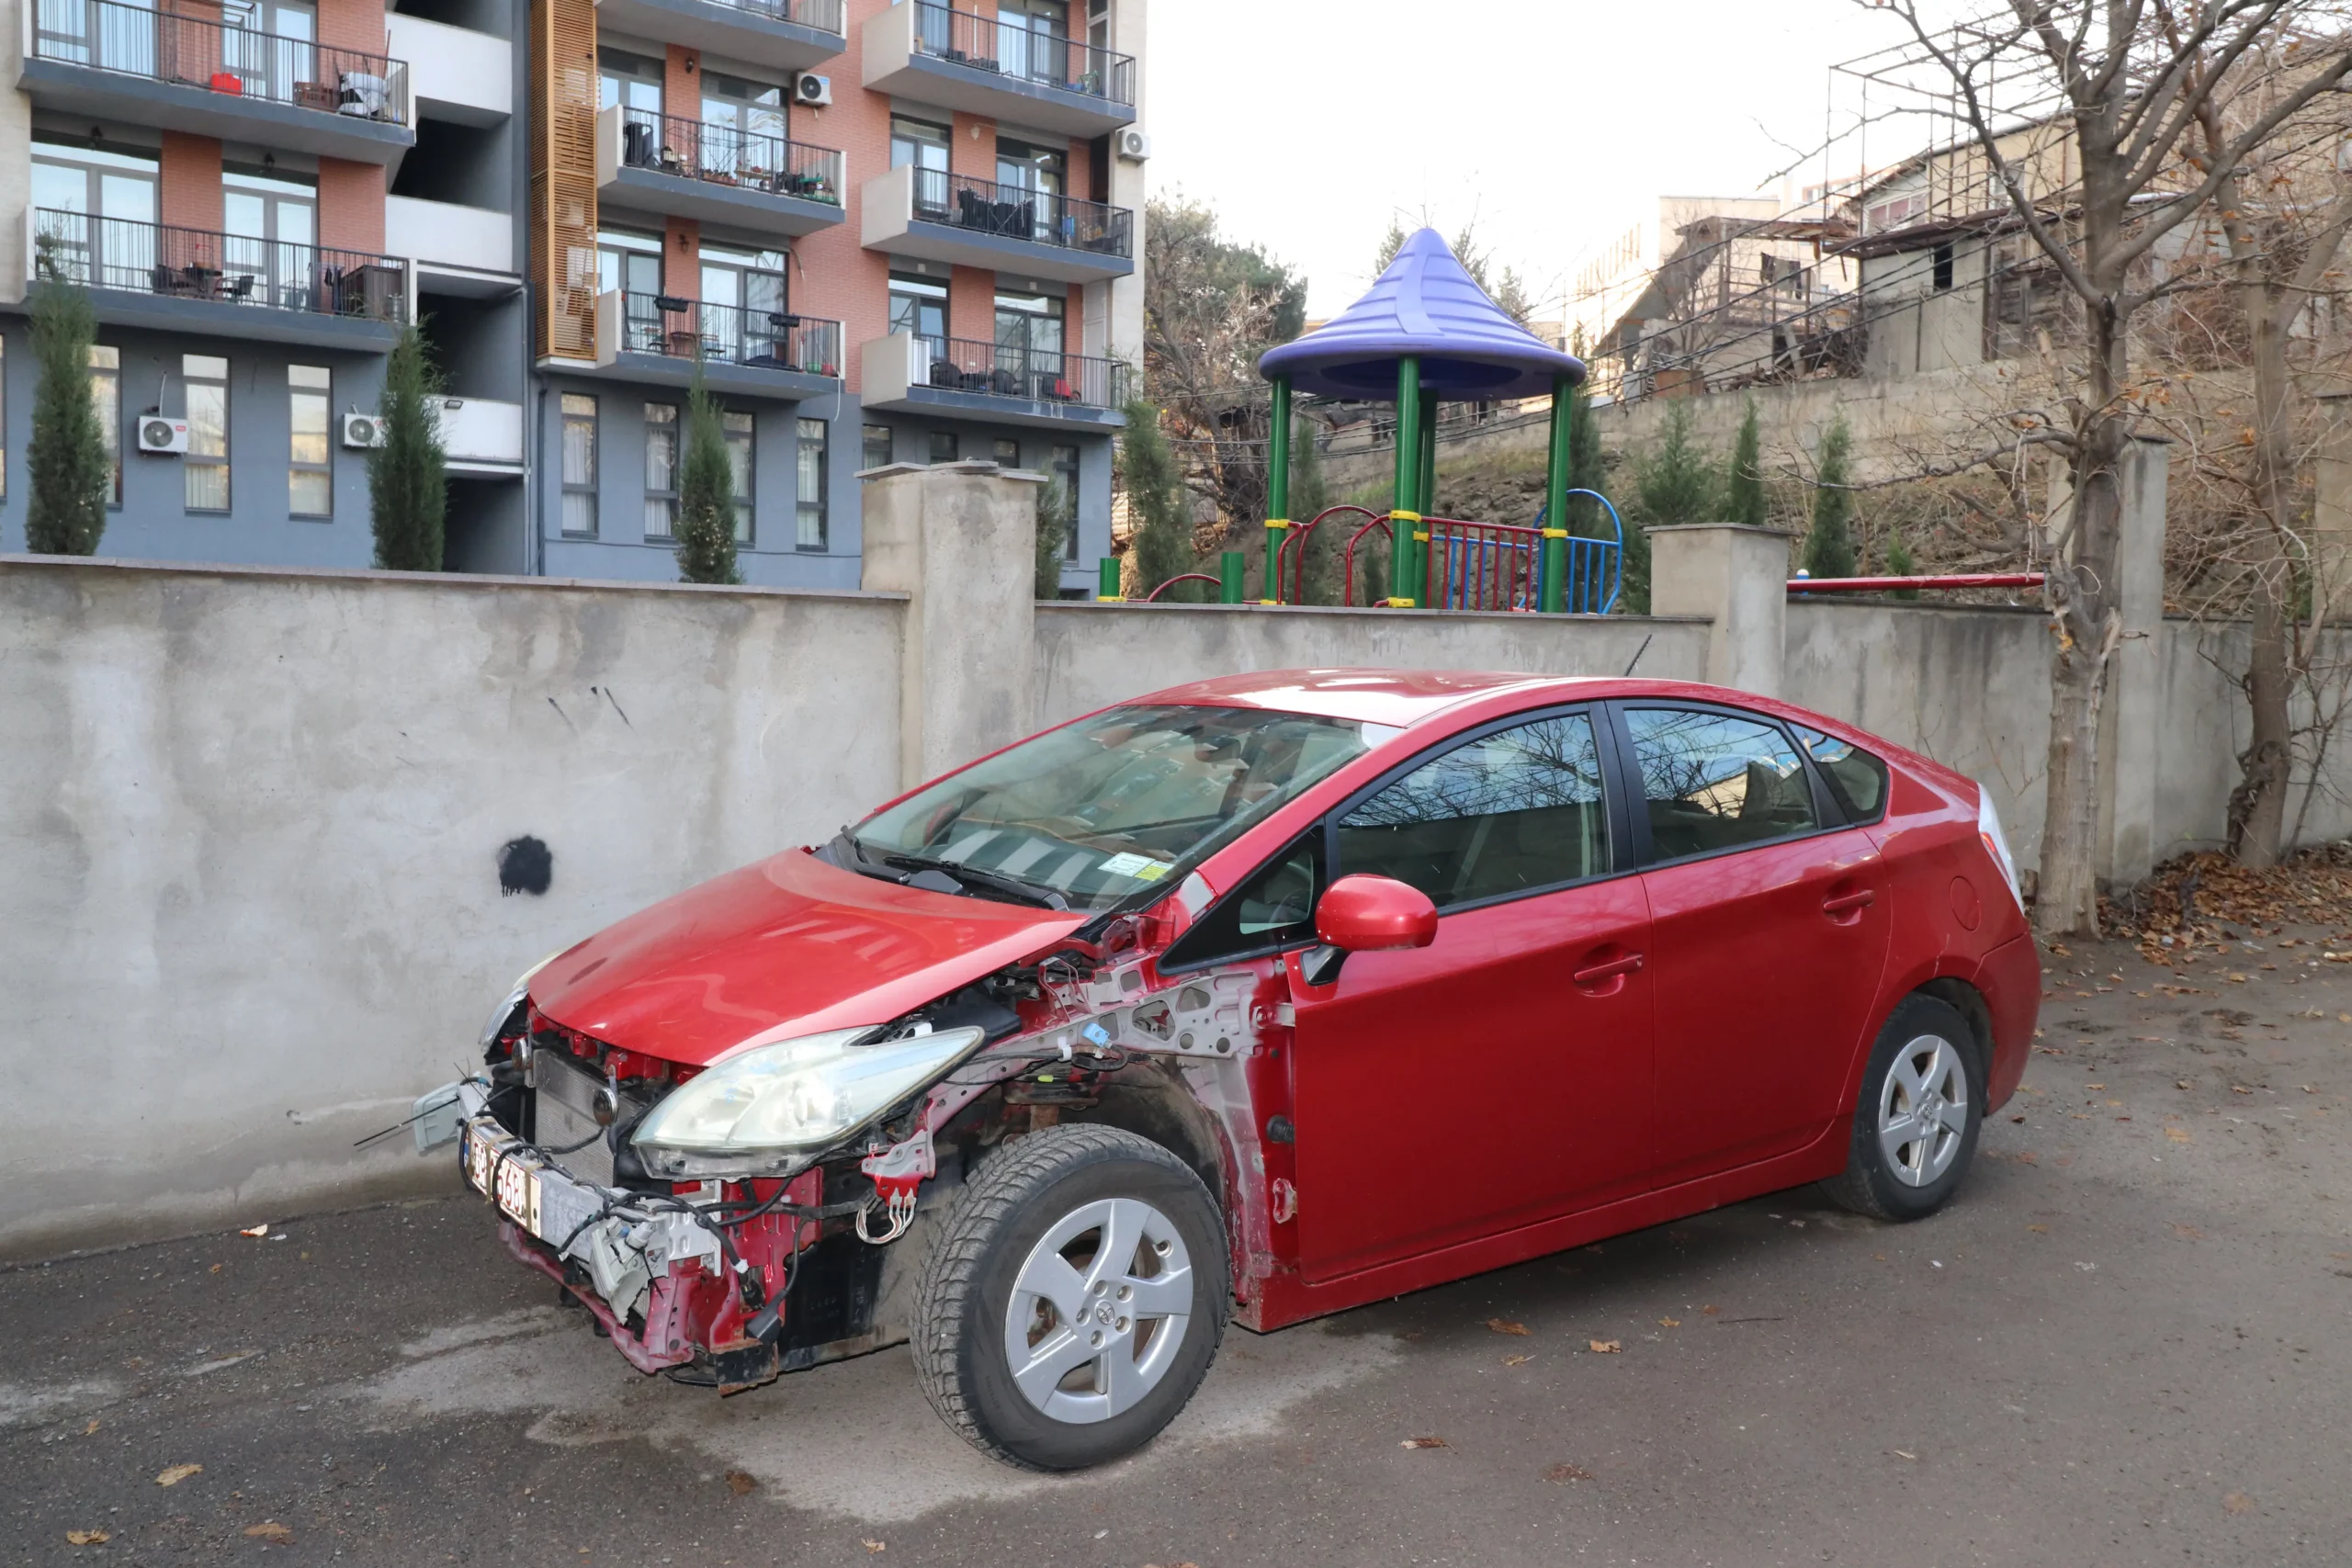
{"type": "Point", "coordinates": [1768, 918]}
{"type": "Point", "coordinates": [1502, 1075]}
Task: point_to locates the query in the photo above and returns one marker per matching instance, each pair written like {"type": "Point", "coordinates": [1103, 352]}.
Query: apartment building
{"type": "Point", "coordinates": [883, 232]}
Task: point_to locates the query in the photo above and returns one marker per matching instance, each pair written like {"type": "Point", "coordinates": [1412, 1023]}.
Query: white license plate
{"type": "Point", "coordinates": [517, 1183]}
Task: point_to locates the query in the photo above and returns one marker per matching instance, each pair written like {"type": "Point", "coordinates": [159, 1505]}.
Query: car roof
{"type": "Point", "coordinates": [1399, 698]}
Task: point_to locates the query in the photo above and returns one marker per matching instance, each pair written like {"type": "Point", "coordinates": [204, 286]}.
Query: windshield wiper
{"type": "Point", "coordinates": [888, 865]}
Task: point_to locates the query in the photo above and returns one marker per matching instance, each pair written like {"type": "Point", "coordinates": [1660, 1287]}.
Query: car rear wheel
{"type": "Point", "coordinates": [1075, 1299]}
{"type": "Point", "coordinates": [1916, 1124]}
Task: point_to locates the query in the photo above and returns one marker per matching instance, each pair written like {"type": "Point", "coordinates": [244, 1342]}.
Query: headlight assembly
{"type": "Point", "coordinates": [763, 1107]}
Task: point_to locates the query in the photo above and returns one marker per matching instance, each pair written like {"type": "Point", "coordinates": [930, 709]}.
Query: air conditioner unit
{"type": "Point", "coordinates": [158, 434]}
{"type": "Point", "coordinates": [1134, 146]}
{"type": "Point", "coordinates": [362, 430]}
{"type": "Point", "coordinates": [813, 90]}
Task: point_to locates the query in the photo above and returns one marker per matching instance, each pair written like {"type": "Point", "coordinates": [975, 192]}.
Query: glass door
{"type": "Point", "coordinates": [250, 46]}
{"type": "Point", "coordinates": [742, 130]}
{"type": "Point", "coordinates": [1028, 345]}
{"type": "Point", "coordinates": [272, 224]}
{"type": "Point", "coordinates": [1032, 199]}
{"type": "Point", "coordinates": [1034, 37]}
{"type": "Point", "coordinates": [94, 219]}
{"type": "Point", "coordinates": [743, 316]}
{"type": "Point", "coordinates": [631, 265]}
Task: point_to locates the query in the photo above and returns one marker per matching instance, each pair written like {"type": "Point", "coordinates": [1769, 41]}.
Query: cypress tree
{"type": "Point", "coordinates": [1056, 514]}
{"type": "Point", "coordinates": [1829, 544]}
{"type": "Point", "coordinates": [705, 525]}
{"type": "Point", "coordinates": [1585, 469]}
{"type": "Point", "coordinates": [1163, 540]}
{"type": "Point", "coordinates": [1744, 485]}
{"type": "Point", "coordinates": [408, 488]}
{"type": "Point", "coordinates": [71, 475]}
{"type": "Point", "coordinates": [1309, 494]}
{"type": "Point", "coordinates": [1674, 485]}
{"type": "Point", "coordinates": [1900, 562]}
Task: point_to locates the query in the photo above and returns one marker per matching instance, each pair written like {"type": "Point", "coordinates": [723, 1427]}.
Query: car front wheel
{"type": "Point", "coordinates": [1074, 1300]}
{"type": "Point", "coordinates": [1915, 1124]}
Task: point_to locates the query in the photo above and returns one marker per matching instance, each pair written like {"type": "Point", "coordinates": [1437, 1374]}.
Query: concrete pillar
{"type": "Point", "coordinates": [2131, 724]}
{"type": "Point", "coordinates": [2332, 508]}
{"type": "Point", "coordinates": [1738, 578]}
{"type": "Point", "coordinates": [960, 540]}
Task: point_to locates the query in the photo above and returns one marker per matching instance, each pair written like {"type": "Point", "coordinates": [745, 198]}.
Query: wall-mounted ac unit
{"type": "Point", "coordinates": [161, 436]}
{"type": "Point", "coordinates": [813, 90]}
{"type": "Point", "coordinates": [1134, 146]}
{"type": "Point", "coordinates": [362, 430]}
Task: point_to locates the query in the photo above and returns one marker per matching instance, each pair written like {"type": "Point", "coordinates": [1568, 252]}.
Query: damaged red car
{"type": "Point", "coordinates": [1251, 1000]}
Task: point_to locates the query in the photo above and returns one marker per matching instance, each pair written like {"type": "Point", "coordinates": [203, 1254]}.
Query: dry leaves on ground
{"type": "Point", "coordinates": [1605, 1347]}
{"type": "Point", "coordinates": [2237, 1503]}
{"type": "Point", "coordinates": [257, 1232]}
{"type": "Point", "coordinates": [2192, 896]}
{"type": "Point", "coordinates": [1505, 1325]}
{"type": "Point", "coordinates": [1423, 1443]}
{"type": "Point", "coordinates": [1567, 1473]}
{"type": "Point", "coordinates": [272, 1531]}
{"type": "Point", "coordinates": [172, 1475]}
{"type": "Point", "coordinates": [87, 1537]}
{"type": "Point", "coordinates": [1517, 1360]}
{"type": "Point", "coordinates": [1670, 1323]}
{"type": "Point", "coordinates": [741, 1481]}
{"type": "Point", "coordinates": [872, 1545]}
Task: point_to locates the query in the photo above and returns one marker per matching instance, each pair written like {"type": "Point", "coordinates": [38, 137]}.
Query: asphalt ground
{"type": "Point", "coordinates": [2125, 1342]}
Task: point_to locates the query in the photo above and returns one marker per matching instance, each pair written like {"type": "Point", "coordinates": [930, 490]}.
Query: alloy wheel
{"type": "Point", "coordinates": [1098, 1310]}
{"type": "Point", "coordinates": [1923, 1110]}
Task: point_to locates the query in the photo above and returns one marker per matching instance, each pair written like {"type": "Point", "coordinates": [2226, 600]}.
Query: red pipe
{"type": "Point", "coordinates": [1905, 584]}
{"type": "Point", "coordinates": [1188, 576]}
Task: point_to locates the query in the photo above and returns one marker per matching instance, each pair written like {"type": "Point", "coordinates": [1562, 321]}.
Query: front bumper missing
{"type": "Point", "coordinates": [656, 1267]}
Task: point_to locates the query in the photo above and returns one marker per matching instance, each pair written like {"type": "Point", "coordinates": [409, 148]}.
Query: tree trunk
{"type": "Point", "coordinates": [2258, 805]}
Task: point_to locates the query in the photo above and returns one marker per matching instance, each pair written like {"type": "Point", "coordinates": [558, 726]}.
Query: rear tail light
{"type": "Point", "coordinates": [1988, 828]}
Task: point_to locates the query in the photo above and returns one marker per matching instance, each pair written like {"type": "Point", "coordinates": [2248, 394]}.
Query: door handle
{"type": "Point", "coordinates": [1844, 902]}
{"type": "Point", "coordinates": [1628, 964]}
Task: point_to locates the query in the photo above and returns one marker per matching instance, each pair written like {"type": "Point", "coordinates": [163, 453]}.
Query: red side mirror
{"type": "Point", "coordinates": [1368, 914]}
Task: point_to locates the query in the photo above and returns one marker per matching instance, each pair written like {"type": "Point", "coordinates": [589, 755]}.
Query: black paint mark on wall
{"type": "Point", "coordinates": [525, 865]}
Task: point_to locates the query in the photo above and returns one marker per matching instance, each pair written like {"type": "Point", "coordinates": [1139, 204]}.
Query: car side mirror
{"type": "Point", "coordinates": [1367, 914]}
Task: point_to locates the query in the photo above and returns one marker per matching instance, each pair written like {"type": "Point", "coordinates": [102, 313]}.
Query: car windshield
{"type": "Point", "coordinates": [1101, 810]}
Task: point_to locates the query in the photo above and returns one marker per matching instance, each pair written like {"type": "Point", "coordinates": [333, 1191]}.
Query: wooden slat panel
{"type": "Point", "coordinates": [563, 176]}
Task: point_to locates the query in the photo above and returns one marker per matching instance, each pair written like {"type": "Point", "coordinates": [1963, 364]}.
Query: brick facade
{"type": "Point", "coordinates": [190, 172]}
{"type": "Point", "coordinates": [351, 205]}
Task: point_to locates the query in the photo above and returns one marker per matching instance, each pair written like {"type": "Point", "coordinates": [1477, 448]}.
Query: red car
{"type": "Point", "coordinates": [1258, 998]}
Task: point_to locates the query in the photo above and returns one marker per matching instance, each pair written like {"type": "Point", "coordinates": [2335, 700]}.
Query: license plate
{"type": "Point", "coordinates": [511, 1184]}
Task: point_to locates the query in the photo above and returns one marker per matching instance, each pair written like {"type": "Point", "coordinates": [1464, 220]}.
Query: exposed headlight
{"type": "Point", "coordinates": [795, 1095]}
{"type": "Point", "coordinates": [505, 1010]}
{"type": "Point", "coordinates": [1988, 828]}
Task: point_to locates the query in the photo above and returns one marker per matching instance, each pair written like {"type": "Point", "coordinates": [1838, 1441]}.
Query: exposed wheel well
{"type": "Point", "coordinates": [1966, 1001]}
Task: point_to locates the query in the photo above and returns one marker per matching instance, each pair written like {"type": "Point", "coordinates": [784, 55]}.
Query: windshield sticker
{"type": "Point", "coordinates": [1141, 868]}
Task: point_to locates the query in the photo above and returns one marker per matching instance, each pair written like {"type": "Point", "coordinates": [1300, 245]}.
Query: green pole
{"type": "Point", "coordinates": [1232, 574]}
{"type": "Point", "coordinates": [1277, 492]}
{"type": "Point", "coordinates": [1428, 503]}
{"type": "Point", "coordinates": [1405, 512]}
{"type": "Point", "coordinates": [1555, 501]}
{"type": "Point", "coordinates": [1106, 581]}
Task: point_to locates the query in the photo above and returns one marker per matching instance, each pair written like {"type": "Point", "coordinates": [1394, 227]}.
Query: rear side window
{"type": "Point", "coordinates": [1856, 778]}
{"type": "Point", "coordinates": [1715, 781]}
{"type": "Point", "coordinates": [1507, 813]}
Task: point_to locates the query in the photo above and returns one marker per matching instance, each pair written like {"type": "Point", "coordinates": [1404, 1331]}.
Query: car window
{"type": "Point", "coordinates": [1856, 777]}
{"type": "Point", "coordinates": [1274, 907]}
{"type": "Point", "coordinates": [1713, 781]}
{"type": "Point", "coordinates": [1513, 810]}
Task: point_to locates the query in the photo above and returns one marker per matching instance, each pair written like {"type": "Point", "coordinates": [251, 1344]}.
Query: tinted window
{"type": "Point", "coordinates": [1712, 780]}
{"type": "Point", "coordinates": [1857, 778]}
{"type": "Point", "coordinates": [1513, 810]}
{"type": "Point", "coordinates": [1275, 907]}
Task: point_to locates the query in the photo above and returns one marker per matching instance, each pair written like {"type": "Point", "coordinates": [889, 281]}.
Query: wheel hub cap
{"type": "Point", "coordinates": [1098, 1310]}
{"type": "Point", "coordinates": [1923, 1110]}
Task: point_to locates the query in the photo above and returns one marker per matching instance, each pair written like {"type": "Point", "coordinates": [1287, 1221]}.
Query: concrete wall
{"type": "Point", "coordinates": [249, 824]}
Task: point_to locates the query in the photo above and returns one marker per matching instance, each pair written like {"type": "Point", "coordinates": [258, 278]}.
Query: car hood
{"type": "Point", "coordinates": [791, 945]}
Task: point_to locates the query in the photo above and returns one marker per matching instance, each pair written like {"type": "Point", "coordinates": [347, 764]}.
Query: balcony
{"type": "Point", "coordinates": [956, 218]}
{"type": "Point", "coordinates": [98, 59]}
{"type": "Point", "coordinates": [457, 250]}
{"type": "Point", "coordinates": [934, 54]}
{"type": "Point", "coordinates": [1000, 383]}
{"type": "Point", "coordinates": [458, 74]}
{"type": "Point", "coordinates": [683, 168]}
{"type": "Point", "coordinates": [767, 354]}
{"type": "Point", "coordinates": [787, 35]}
{"type": "Point", "coordinates": [149, 274]}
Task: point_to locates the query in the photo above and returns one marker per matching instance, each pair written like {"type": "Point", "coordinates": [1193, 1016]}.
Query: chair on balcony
{"type": "Point", "coordinates": [944, 373]}
{"type": "Point", "coordinates": [636, 144]}
{"type": "Point", "coordinates": [240, 288]}
{"type": "Point", "coordinates": [973, 209]}
{"type": "Point", "coordinates": [364, 96]}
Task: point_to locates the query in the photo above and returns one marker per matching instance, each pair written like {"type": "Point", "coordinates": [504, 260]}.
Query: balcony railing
{"type": "Point", "coordinates": [200, 51]}
{"type": "Point", "coordinates": [825, 15]}
{"type": "Point", "coordinates": [724, 156]}
{"type": "Point", "coordinates": [229, 269]}
{"type": "Point", "coordinates": [1021, 370]}
{"type": "Point", "coordinates": [730, 334]}
{"type": "Point", "coordinates": [1017, 212]}
{"type": "Point", "coordinates": [1006, 49]}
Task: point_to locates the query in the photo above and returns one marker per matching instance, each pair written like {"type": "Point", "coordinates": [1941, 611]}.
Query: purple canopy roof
{"type": "Point", "coordinates": [1423, 304]}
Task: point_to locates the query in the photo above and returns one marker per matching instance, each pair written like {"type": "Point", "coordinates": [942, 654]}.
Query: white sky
{"type": "Point", "coordinates": [1309, 123]}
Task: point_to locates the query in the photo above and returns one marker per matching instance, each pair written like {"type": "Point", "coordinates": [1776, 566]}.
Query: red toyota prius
{"type": "Point", "coordinates": [1253, 999]}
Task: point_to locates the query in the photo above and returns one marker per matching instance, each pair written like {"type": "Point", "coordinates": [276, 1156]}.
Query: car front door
{"type": "Point", "coordinates": [1769, 934]}
{"type": "Point", "coordinates": [1500, 1076]}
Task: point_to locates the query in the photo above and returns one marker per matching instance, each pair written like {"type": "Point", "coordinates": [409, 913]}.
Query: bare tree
{"type": "Point", "coordinates": [2130, 79]}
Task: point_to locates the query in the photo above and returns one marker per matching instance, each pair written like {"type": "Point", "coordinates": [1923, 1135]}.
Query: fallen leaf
{"type": "Point", "coordinates": [1670, 1323]}
{"type": "Point", "coordinates": [2240, 1089]}
{"type": "Point", "coordinates": [2188, 1232]}
{"type": "Point", "coordinates": [257, 1232]}
{"type": "Point", "coordinates": [1505, 1325]}
{"type": "Point", "coordinates": [173, 1476]}
{"type": "Point", "coordinates": [1900, 1454]}
{"type": "Point", "coordinates": [91, 1427]}
{"type": "Point", "coordinates": [741, 1482]}
{"type": "Point", "coordinates": [1710, 1311]}
{"type": "Point", "coordinates": [2237, 1503]}
{"type": "Point", "coordinates": [1517, 1360]}
{"type": "Point", "coordinates": [872, 1545]}
{"type": "Point", "coordinates": [272, 1531]}
{"type": "Point", "coordinates": [1604, 1346]}
{"type": "Point", "coordinates": [87, 1537]}
{"type": "Point", "coordinates": [2038, 1230]}
{"type": "Point", "coordinates": [1423, 1443]}
{"type": "Point", "coordinates": [2017, 1118]}
{"type": "Point", "coordinates": [1567, 1472]}
{"type": "Point", "coordinates": [2177, 1135]}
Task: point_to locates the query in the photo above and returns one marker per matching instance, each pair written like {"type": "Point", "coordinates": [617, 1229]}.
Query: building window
{"type": "Point", "coordinates": [310, 477]}
{"type": "Point", "coordinates": [943, 446]}
{"type": "Point", "coordinates": [922, 146]}
{"type": "Point", "coordinates": [878, 446]}
{"type": "Point", "coordinates": [1008, 452]}
{"type": "Point", "coordinates": [205, 470]}
{"type": "Point", "coordinates": [812, 485]}
{"type": "Point", "coordinates": [579, 466]}
{"type": "Point", "coordinates": [661, 469]}
{"type": "Point", "coordinates": [106, 399]}
{"type": "Point", "coordinates": [738, 430]}
{"type": "Point", "coordinates": [629, 80]}
{"type": "Point", "coordinates": [918, 305]}
{"type": "Point", "coordinates": [1943, 267]}
{"type": "Point", "coordinates": [630, 262]}
{"type": "Point", "coordinates": [94, 219]}
{"type": "Point", "coordinates": [1065, 480]}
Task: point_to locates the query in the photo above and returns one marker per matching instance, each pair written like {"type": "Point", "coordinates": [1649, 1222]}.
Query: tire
{"type": "Point", "coordinates": [1072, 1195]}
{"type": "Point", "coordinates": [1926, 1044]}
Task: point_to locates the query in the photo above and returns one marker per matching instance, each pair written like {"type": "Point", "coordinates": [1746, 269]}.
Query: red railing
{"type": "Point", "coordinates": [1914, 584]}
{"type": "Point", "coordinates": [1290, 560]}
{"type": "Point", "coordinates": [1187, 577]}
